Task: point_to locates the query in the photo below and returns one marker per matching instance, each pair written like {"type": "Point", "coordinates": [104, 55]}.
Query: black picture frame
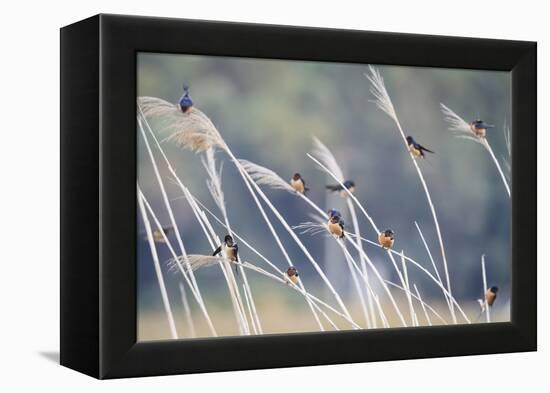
{"type": "Point", "coordinates": [98, 196]}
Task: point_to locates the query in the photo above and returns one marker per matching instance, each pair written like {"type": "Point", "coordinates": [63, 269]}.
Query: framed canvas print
{"type": "Point", "coordinates": [238, 196]}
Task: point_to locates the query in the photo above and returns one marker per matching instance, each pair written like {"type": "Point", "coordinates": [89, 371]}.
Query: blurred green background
{"type": "Point", "coordinates": [267, 111]}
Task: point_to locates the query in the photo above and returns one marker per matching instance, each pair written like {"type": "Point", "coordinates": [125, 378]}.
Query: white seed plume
{"type": "Point", "coordinates": [378, 89]}
{"type": "Point", "coordinates": [265, 176]}
{"type": "Point", "coordinates": [192, 129]}
{"type": "Point", "coordinates": [327, 158]}
{"type": "Point", "coordinates": [459, 126]}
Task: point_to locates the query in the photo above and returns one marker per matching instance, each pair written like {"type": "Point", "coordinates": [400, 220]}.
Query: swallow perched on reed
{"type": "Point", "coordinates": [386, 239]}
{"type": "Point", "coordinates": [490, 297]}
{"type": "Point", "coordinates": [185, 101]}
{"type": "Point", "coordinates": [291, 274]}
{"type": "Point", "coordinates": [479, 128]}
{"type": "Point", "coordinates": [230, 250]}
{"type": "Point", "coordinates": [415, 148]}
{"type": "Point", "coordinates": [336, 226]}
{"type": "Point", "coordinates": [348, 184]}
{"type": "Point", "coordinates": [298, 183]}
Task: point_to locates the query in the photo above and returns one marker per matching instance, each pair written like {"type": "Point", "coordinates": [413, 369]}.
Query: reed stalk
{"type": "Point", "coordinates": [383, 101]}
{"type": "Point", "coordinates": [158, 272]}
{"type": "Point", "coordinates": [202, 306]}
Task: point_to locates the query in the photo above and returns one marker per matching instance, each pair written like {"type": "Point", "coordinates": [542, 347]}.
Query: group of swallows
{"type": "Point", "coordinates": [230, 249]}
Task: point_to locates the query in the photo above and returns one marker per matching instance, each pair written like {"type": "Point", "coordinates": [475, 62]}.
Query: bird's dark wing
{"type": "Point", "coordinates": [236, 248]}
{"type": "Point", "coordinates": [420, 147]}
{"type": "Point", "coordinates": [218, 250]}
{"type": "Point", "coordinates": [336, 187]}
{"type": "Point", "coordinates": [167, 230]}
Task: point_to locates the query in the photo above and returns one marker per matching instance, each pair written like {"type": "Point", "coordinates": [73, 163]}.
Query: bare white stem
{"type": "Point", "coordinates": [462, 129]}
{"type": "Point", "coordinates": [187, 311]}
{"type": "Point", "coordinates": [215, 187]}
{"type": "Point", "coordinates": [384, 102]}
{"type": "Point", "coordinates": [497, 164]}
{"type": "Point", "coordinates": [201, 304]}
{"type": "Point", "coordinates": [193, 282]}
{"type": "Point", "coordinates": [408, 289]}
{"type": "Point", "coordinates": [249, 308]}
{"type": "Point", "coordinates": [238, 312]}
{"type": "Point", "coordinates": [247, 178]}
{"type": "Point", "coordinates": [357, 231]}
{"type": "Point", "coordinates": [426, 315]}
{"type": "Point", "coordinates": [158, 271]}
{"type": "Point", "coordinates": [424, 303]}
{"type": "Point", "coordinates": [369, 218]}
{"type": "Point", "coordinates": [433, 261]}
{"type": "Point", "coordinates": [304, 293]}
{"type": "Point", "coordinates": [484, 273]}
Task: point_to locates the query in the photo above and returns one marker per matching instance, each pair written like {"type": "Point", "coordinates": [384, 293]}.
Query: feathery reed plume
{"type": "Point", "coordinates": [462, 129]}
{"type": "Point", "coordinates": [158, 271]}
{"type": "Point", "coordinates": [268, 177]}
{"type": "Point", "coordinates": [354, 244]}
{"type": "Point", "coordinates": [321, 151]}
{"type": "Point", "coordinates": [200, 216]}
{"type": "Point", "coordinates": [255, 251]}
{"type": "Point", "coordinates": [187, 311]}
{"type": "Point", "coordinates": [383, 101]}
{"type": "Point", "coordinates": [197, 261]}
{"type": "Point", "coordinates": [142, 119]}
{"type": "Point", "coordinates": [265, 177]}
{"type": "Point", "coordinates": [327, 158]}
{"type": "Point", "coordinates": [192, 129]}
{"type": "Point", "coordinates": [197, 293]}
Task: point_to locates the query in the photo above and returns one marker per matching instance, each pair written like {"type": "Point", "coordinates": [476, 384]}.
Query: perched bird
{"type": "Point", "coordinates": [386, 239]}
{"type": "Point", "coordinates": [415, 148]}
{"type": "Point", "coordinates": [158, 234]}
{"type": "Point", "coordinates": [230, 250]}
{"type": "Point", "coordinates": [292, 275]}
{"type": "Point", "coordinates": [298, 183]}
{"type": "Point", "coordinates": [185, 102]}
{"type": "Point", "coordinates": [336, 226]}
{"type": "Point", "coordinates": [479, 127]}
{"type": "Point", "coordinates": [334, 212]}
{"type": "Point", "coordinates": [348, 184]}
{"type": "Point", "coordinates": [490, 297]}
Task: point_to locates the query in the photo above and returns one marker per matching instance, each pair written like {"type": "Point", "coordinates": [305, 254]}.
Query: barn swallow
{"type": "Point", "coordinates": [158, 234]}
{"type": "Point", "coordinates": [230, 250]}
{"type": "Point", "coordinates": [336, 226]}
{"type": "Point", "coordinates": [292, 275]}
{"type": "Point", "coordinates": [299, 184]}
{"type": "Point", "coordinates": [334, 212]}
{"type": "Point", "coordinates": [386, 239]}
{"type": "Point", "coordinates": [185, 102]}
{"type": "Point", "coordinates": [415, 148]}
{"type": "Point", "coordinates": [348, 184]}
{"type": "Point", "coordinates": [479, 127]}
{"type": "Point", "coordinates": [490, 297]}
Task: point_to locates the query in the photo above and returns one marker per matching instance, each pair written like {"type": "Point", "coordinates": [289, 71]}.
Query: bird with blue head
{"type": "Point", "coordinates": [185, 102]}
